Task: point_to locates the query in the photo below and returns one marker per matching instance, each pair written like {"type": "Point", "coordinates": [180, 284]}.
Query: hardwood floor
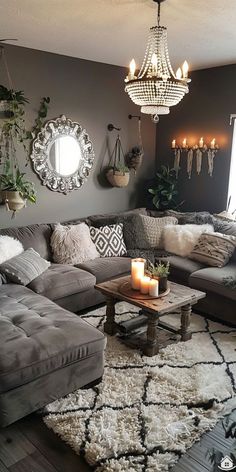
{"type": "Point", "coordinates": [29, 446]}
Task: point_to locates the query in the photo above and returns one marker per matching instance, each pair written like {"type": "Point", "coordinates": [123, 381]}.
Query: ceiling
{"type": "Point", "coordinates": [115, 31]}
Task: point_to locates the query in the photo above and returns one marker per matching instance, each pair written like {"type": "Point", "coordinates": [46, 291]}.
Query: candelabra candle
{"type": "Point", "coordinates": [173, 144]}
{"type": "Point", "coordinates": [137, 272]}
{"type": "Point", "coordinates": [184, 144]}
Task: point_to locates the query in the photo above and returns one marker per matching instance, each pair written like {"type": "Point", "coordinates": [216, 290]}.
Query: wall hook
{"type": "Point", "coordinates": [111, 127]}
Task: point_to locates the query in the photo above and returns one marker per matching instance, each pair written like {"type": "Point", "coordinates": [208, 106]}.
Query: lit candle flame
{"type": "Point", "coordinates": [201, 143]}
{"type": "Point", "coordinates": [132, 68]}
{"type": "Point", "coordinates": [185, 69]}
{"type": "Point", "coordinates": [213, 143]}
{"type": "Point", "coordinates": [184, 142]}
{"type": "Point", "coordinates": [154, 63]}
{"type": "Point", "coordinates": [179, 74]}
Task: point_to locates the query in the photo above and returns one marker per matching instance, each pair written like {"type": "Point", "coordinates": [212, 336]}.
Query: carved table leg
{"type": "Point", "coordinates": [185, 330]}
{"type": "Point", "coordinates": [151, 348]}
{"type": "Point", "coordinates": [110, 325]}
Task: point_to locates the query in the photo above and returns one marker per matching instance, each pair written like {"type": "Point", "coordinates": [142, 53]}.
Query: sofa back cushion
{"type": "Point", "coordinates": [145, 232]}
{"type": "Point", "coordinates": [36, 236]}
{"type": "Point", "coordinates": [113, 218]}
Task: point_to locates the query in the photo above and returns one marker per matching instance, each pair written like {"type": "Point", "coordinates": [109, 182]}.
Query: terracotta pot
{"type": "Point", "coordinates": [117, 178]}
{"type": "Point", "coordinates": [14, 201]}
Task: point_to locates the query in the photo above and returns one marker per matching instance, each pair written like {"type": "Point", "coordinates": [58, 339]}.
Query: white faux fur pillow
{"type": "Point", "coordinates": [72, 244]}
{"type": "Point", "coordinates": [9, 247]}
{"type": "Point", "coordinates": [181, 239]}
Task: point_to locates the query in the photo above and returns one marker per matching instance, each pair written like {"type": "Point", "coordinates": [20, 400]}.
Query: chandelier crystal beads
{"type": "Point", "coordinates": [156, 88]}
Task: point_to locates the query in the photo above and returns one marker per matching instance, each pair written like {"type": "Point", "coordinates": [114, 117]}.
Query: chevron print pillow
{"type": "Point", "coordinates": [109, 240]}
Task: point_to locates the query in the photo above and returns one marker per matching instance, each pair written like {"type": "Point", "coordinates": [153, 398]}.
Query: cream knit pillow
{"type": "Point", "coordinates": [72, 244]}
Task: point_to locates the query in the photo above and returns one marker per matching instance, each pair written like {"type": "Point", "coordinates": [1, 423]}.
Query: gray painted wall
{"type": "Point", "coordinates": [205, 111]}
{"type": "Point", "coordinates": [92, 94]}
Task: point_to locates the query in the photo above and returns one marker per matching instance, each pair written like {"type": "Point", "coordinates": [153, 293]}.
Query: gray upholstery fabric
{"type": "Point", "coordinates": [30, 397]}
{"type": "Point", "coordinates": [107, 268]}
{"type": "Point", "coordinates": [62, 280]}
{"type": "Point", "coordinates": [25, 267]}
{"type": "Point", "coordinates": [181, 268]}
{"type": "Point", "coordinates": [113, 218]}
{"type": "Point", "coordinates": [39, 337]}
{"type": "Point", "coordinates": [210, 279]}
{"type": "Point", "coordinates": [35, 236]}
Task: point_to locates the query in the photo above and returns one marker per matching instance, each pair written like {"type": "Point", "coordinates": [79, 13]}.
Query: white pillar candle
{"type": "Point", "coordinates": [154, 288]}
{"type": "Point", "coordinates": [144, 285]}
{"type": "Point", "coordinates": [137, 272]}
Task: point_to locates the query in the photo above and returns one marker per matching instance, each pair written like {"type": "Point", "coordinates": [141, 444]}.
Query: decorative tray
{"type": "Point", "coordinates": [126, 289]}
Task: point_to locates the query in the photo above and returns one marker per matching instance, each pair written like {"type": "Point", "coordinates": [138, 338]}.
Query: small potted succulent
{"type": "Point", "coordinates": [159, 271]}
{"type": "Point", "coordinates": [118, 176]}
{"type": "Point", "coordinates": [134, 158]}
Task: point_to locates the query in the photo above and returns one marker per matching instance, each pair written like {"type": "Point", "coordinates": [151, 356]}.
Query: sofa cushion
{"type": "Point", "coordinates": [62, 280]}
{"type": "Point", "coordinates": [38, 337]}
{"type": "Point", "coordinates": [214, 249]}
{"type": "Point", "coordinates": [145, 232]}
{"type": "Point", "coordinates": [108, 240]}
{"type": "Point", "coordinates": [107, 268]}
{"type": "Point", "coordinates": [181, 268]}
{"type": "Point", "coordinates": [113, 218]}
{"type": "Point", "coordinates": [35, 236]}
{"type": "Point", "coordinates": [25, 267]}
{"type": "Point", "coordinates": [211, 279]}
{"type": "Point", "coordinates": [72, 244]}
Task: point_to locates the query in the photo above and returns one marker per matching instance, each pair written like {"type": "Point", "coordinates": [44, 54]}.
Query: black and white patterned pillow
{"type": "Point", "coordinates": [109, 240]}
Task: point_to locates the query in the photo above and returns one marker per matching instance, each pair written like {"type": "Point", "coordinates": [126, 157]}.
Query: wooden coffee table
{"type": "Point", "coordinates": [179, 297]}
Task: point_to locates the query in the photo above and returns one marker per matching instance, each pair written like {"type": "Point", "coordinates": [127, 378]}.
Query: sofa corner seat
{"type": "Point", "coordinates": [47, 352]}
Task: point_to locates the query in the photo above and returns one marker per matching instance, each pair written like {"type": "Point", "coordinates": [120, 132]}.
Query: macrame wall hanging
{"type": "Point", "coordinates": [196, 153]}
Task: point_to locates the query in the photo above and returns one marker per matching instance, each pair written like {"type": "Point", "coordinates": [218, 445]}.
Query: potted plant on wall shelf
{"type": "Point", "coordinates": [159, 271]}
{"type": "Point", "coordinates": [15, 189]}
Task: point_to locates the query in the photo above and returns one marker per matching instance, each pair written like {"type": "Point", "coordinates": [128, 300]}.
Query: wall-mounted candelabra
{"type": "Point", "coordinates": [197, 151]}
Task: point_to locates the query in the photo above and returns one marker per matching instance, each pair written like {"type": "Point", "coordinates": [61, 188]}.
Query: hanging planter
{"type": "Point", "coordinates": [117, 173]}
{"type": "Point", "coordinates": [10, 102]}
{"type": "Point", "coordinates": [134, 158]}
{"type": "Point", "coordinates": [118, 178]}
{"type": "Point", "coordinates": [14, 200]}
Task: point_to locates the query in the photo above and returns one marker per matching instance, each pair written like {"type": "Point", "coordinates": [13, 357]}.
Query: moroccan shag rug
{"type": "Point", "coordinates": [148, 411]}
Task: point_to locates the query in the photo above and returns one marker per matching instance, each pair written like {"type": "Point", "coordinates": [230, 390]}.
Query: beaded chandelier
{"type": "Point", "coordinates": [156, 88]}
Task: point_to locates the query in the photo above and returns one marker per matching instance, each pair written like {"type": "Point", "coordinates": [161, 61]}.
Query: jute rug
{"type": "Point", "coordinates": [148, 411]}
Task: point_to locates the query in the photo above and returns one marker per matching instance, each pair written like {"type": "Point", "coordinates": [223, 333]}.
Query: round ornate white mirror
{"type": "Point", "coordinates": [62, 155]}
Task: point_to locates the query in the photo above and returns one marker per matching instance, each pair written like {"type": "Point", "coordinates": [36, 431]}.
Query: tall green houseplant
{"type": "Point", "coordinates": [164, 190]}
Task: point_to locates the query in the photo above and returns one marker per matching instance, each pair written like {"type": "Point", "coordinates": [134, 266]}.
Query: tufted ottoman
{"type": "Point", "coordinates": [45, 352]}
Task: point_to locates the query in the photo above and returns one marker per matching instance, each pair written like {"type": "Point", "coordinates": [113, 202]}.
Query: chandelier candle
{"type": "Point", "coordinates": [156, 87]}
{"type": "Point", "coordinates": [137, 272]}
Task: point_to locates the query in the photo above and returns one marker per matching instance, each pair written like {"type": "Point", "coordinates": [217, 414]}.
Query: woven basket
{"type": "Point", "coordinates": [117, 178]}
{"type": "Point", "coordinates": [5, 109]}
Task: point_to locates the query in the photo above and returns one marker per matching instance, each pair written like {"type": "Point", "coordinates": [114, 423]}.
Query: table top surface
{"type": "Point", "coordinates": [179, 296]}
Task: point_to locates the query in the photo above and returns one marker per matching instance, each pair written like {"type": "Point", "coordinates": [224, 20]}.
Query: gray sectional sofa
{"type": "Point", "coordinates": [46, 350]}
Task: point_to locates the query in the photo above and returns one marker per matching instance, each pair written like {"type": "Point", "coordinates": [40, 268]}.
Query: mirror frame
{"type": "Point", "coordinates": [56, 182]}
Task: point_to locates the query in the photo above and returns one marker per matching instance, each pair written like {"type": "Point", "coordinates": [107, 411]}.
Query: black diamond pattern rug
{"type": "Point", "coordinates": [148, 411]}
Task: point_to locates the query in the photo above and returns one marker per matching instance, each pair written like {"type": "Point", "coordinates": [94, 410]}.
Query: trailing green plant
{"type": "Point", "coordinates": [42, 115]}
{"type": "Point", "coordinates": [160, 269]}
{"type": "Point", "coordinates": [14, 180]}
{"type": "Point", "coordinates": [11, 95]}
{"type": "Point", "coordinates": [164, 191]}
{"type": "Point", "coordinates": [230, 282]}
